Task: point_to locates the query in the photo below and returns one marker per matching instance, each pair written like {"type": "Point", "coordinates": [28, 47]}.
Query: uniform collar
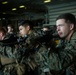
{"type": "Point", "coordinates": [73, 36]}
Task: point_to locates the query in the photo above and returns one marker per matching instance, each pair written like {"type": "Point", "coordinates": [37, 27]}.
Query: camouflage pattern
{"type": "Point", "coordinates": [67, 54]}
{"type": "Point", "coordinates": [54, 62]}
{"type": "Point", "coordinates": [8, 55]}
{"type": "Point", "coordinates": [30, 55]}
{"type": "Point", "coordinates": [38, 55]}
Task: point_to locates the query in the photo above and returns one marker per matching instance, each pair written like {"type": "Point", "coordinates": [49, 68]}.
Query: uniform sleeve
{"type": "Point", "coordinates": [68, 54]}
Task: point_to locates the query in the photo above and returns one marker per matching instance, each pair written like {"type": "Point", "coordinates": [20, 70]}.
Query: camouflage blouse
{"type": "Point", "coordinates": [67, 52]}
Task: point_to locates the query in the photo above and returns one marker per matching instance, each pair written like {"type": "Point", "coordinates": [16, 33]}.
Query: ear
{"type": "Point", "coordinates": [28, 27]}
{"type": "Point", "coordinates": [71, 26]}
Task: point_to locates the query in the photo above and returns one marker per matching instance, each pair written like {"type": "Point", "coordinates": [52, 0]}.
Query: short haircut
{"type": "Point", "coordinates": [68, 18]}
{"type": "Point", "coordinates": [26, 23]}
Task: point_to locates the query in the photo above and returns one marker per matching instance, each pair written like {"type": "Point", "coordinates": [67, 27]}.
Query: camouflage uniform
{"type": "Point", "coordinates": [67, 54]}
{"type": "Point", "coordinates": [54, 62]}
{"type": "Point", "coordinates": [8, 56]}
{"type": "Point", "coordinates": [36, 54]}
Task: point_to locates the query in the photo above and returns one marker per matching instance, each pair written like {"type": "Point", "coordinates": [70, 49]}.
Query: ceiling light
{"type": "Point", "coordinates": [46, 1]}
{"type": "Point", "coordinates": [22, 6]}
{"type": "Point", "coordinates": [4, 2]}
{"type": "Point", "coordinates": [14, 9]}
{"type": "Point", "coordinates": [4, 13]}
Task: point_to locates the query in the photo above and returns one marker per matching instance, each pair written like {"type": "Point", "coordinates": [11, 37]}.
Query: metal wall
{"type": "Point", "coordinates": [55, 10]}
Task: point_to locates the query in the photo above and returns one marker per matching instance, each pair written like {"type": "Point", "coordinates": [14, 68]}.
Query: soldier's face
{"type": "Point", "coordinates": [23, 31]}
{"type": "Point", "coordinates": [63, 28]}
{"type": "Point", "coordinates": [9, 29]}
